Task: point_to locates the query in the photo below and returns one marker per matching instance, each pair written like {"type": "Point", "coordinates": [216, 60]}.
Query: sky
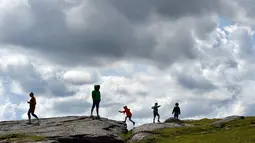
{"type": "Point", "coordinates": [199, 53]}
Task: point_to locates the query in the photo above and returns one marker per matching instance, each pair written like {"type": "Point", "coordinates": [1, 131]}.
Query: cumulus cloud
{"type": "Point", "coordinates": [158, 51]}
{"type": "Point", "coordinates": [18, 68]}
{"type": "Point", "coordinates": [88, 32]}
{"type": "Point", "coordinates": [79, 77]}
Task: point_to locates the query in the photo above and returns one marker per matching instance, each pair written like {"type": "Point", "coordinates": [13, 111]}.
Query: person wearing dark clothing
{"type": "Point", "coordinates": [155, 112]}
{"type": "Point", "coordinates": [31, 110]}
{"type": "Point", "coordinates": [96, 97]}
{"type": "Point", "coordinates": [176, 111]}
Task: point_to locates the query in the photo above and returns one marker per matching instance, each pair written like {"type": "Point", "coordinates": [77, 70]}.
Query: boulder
{"type": "Point", "coordinates": [69, 129]}
{"type": "Point", "coordinates": [143, 131]}
{"type": "Point", "coordinates": [173, 120]}
{"type": "Point", "coordinates": [227, 119]}
{"type": "Point", "coordinates": [154, 126]}
{"type": "Point", "coordinates": [139, 136]}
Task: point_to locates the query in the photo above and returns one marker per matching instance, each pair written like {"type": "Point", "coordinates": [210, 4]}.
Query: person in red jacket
{"type": "Point", "coordinates": [128, 113]}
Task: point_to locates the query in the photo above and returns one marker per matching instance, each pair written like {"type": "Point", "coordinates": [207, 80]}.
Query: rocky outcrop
{"type": "Point", "coordinates": [220, 123]}
{"type": "Point", "coordinates": [69, 129]}
{"type": "Point", "coordinates": [143, 131]}
{"type": "Point", "coordinates": [173, 120]}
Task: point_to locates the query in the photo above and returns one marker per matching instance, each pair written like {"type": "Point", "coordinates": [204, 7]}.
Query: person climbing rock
{"type": "Point", "coordinates": [96, 97]}
{"type": "Point", "coordinates": [155, 112]}
{"type": "Point", "coordinates": [128, 114]}
{"type": "Point", "coordinates": [31, 110]}
{"type": "Point", "coordinates": [176, 111]}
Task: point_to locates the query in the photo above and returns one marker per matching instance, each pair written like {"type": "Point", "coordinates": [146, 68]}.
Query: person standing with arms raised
{"type": "Point", "coordinates": [155, 112]}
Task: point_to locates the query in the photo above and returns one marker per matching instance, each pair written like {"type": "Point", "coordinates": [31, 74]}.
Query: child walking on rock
{"type": "Point", "coordinates": [128, 113]}
{"type": "Point", "coordinates": [31, 110]}
{"type": "Point", "coordinates": [155, 112]}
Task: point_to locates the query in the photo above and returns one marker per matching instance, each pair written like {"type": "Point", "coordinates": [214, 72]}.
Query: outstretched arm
{"type": "Point", "coordinates": [159, 105]}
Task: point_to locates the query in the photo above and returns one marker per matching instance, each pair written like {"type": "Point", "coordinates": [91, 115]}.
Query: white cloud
{"type": "Point", "coordinates": [145, 60]}
{"type": "Point", "coordinates": [79, 77]}
{"type": "Point", "coordinates": [7, 111]}
{"type": "Point", "coordinates": [16, 88]}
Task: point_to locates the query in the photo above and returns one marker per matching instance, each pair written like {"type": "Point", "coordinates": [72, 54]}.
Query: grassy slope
{"type": "Point", "coordinates": [239, 131]}
{"type": "Point", "coordinates": [20, 137]}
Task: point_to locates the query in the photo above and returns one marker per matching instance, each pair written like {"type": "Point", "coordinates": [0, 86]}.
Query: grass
{"type": "Point", "coordinates": [239, 131]}
{"type": "Point", "coordinates": [126, 136]}
{"type": "Point", "coordinates": [201, 122]}
{"type": "Point", "coordinates": [20, 137]}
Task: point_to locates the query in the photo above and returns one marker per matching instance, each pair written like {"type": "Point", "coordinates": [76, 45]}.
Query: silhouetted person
{"type": "Point", "coordinates": [96, 97]}
{"type": "Point", "coordinates": [176, 111]}
{"type": "Point", "coordinates": [128, 113]}
{"type": "Point", "coordinates": [155, 112]}
{"type": "Point", "coordinates": [31, 110]}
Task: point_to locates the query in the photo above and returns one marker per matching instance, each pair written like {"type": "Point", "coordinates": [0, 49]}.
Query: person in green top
{"type": "Point", "coordinates": [96, 97]}
{"type": "Point", "coordinates": [155, 112]}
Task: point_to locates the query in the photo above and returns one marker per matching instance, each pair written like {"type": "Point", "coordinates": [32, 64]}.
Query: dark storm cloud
{"type": "Point", "coordinates": [140, 10]}
{"type": "Point", "coordinates": [110, 29]}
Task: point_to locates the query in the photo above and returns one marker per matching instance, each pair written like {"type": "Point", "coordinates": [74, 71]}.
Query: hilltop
{"type": "Point", "coordinates": [234, 129]}
{"type": "Point", "coordinates": [63, 129]}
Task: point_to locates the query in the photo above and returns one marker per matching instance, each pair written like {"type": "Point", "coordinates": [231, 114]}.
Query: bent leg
{"type": "Point", "coordinates": [33, 114]}
{"type": "Point", "coordinates": [125, 119]}
{"type": "Point", "coordinates": [158, 118]}
{"type": "Point", "coordinates": [131, 120]}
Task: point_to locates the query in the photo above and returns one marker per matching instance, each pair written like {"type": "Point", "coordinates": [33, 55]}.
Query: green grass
{"type": "Point", "coordinates": [239, 131]}
{"type": "Point", "coordinates": [20, 137]}
{"type": "Point", "coordinates": [126, 136]}
{"type": "Point", "coordinates": [201, 122]}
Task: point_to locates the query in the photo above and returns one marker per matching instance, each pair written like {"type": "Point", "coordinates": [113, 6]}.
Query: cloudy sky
{"type": "Point", "coordinates": [199, 53]}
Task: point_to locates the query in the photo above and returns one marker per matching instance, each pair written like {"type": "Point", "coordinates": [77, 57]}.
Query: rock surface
{"type": "Point", "coordinates": [69, 129]}
{"type": "Point", "coordinates": [173, 120]}
{"type": "Point", "coordinates": [143, 131]}
{"type": "Point", "coordinates": [227, 119]}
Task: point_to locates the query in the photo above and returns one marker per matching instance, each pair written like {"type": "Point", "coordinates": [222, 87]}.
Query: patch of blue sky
{"type": "Point", "coordinates": [224, 22]}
